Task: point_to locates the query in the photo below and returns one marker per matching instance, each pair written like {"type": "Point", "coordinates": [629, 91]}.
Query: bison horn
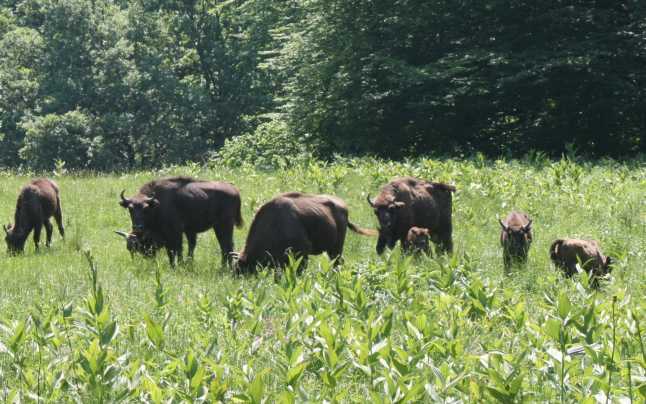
{"type": "Point", "coordinates": [528, 226]}
{"type": "Point", "coordinates": [504, 226]}
{"type": "Point", "coordinates": [5, 228]}
{"type": "Point", "coordinates": [123, 198]}
{"type": "Point", "coordinates": [122, 233]}
{"type": "Point", "coordinates": [370, 202]}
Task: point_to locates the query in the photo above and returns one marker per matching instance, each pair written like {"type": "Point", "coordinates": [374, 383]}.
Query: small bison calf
{"type": "Point", "coordinates": [515, 238]}
{"type": "Point", "coordinates": [566, 253]}
{"type": "Point", "coordinates": [417, 240]}
{"type": "Point", "coordinates": [37, 202]}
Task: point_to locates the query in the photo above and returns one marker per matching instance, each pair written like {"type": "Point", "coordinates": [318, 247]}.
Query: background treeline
{"type": "Point", "coordinates": [122, 84]}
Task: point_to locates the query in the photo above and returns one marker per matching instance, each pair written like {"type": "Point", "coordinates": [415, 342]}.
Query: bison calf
{"type": "Point", "coordinates": [296, 223]}
{"type": "Point", "coordinates": [417, 240]}
{"type": "Point", "coordinates": [515, 238]}
{"type": "Point", "coordinates": [566, 253]}
{"type": "Point", "coordinates": [37, 203]}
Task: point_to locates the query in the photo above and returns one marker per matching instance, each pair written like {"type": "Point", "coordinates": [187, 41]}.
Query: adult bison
{"type": "Point", "coordinates": [515, 238]}
{"type": "Point", "coordinates": [407, 202]}
{"type": "Point", "coordinates": [168, 207]}
{"type": "Point", "coordinates": [567, 253]}
{"type": "Point", "coordinates": [37, 202]}
{"type": "Point", "coordinates": [299, 223]}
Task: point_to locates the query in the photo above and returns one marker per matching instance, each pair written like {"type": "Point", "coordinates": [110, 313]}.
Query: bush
{"type": "Point", "coordinates": [67, 137]}
{"type": "Point", "coordinates": [271, 145]}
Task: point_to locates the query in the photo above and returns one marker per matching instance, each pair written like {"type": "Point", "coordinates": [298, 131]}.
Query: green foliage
{"type": "Point", "coordinates": [102, 327]}
{"type": "Point", "coordinates": [271, 145]}
{"type": "Point", "coordinates": [69, 137]}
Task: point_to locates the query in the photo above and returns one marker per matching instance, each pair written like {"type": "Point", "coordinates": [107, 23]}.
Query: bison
{"type": "Point", "coordinates": [37, 202]}
{"type": "Point", "coordinates": [407, 202]}
{"type": "Point", "coordinates": [417, 240]}
{"type": "Point", "coordinates": [296, 223]}
{"type": "Point", "coordinates": [566, 253]}
{"type": "Point", "coordinates": [165, 208]}
{"type": "Point", "coordinates": [515, 238]}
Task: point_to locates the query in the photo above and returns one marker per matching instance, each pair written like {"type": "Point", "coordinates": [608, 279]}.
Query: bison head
{"type": "Point", "coordinates": [15, 239]}
{"type": "Point", "coordinates": [142, 243]}
{"type": "Point", "coordinates": [418, 238]}
{"type": "Point", "coordinates": [141, 208]}
{"type": "Point", "coordinates": [386, 213]}
{"type": "Point", "coordinates": [516, 239]}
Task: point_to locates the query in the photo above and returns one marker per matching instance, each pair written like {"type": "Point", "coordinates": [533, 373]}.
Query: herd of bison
{"type": "Point", "coordinates": [412, 211]}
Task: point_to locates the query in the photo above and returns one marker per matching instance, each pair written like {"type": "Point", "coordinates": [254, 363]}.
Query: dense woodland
{"type": "Point", "coordinates": [125, 84]}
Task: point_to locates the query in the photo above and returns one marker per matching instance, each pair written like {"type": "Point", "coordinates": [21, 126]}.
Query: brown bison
{"type": "Point", "coordinates": [515, 238]}
{"type": "Point", "coordinates": [37, 202]}
{"type": "Point", "coordinates": [165, 208]}
{"type": "Point", "coordinates": [296, 223]}
{"type": "Point", "coordinates": [417, 240]}
{"type": "Point", "coordinates": [566, 253]}
{"type": "Point", "coordinates": [407, 202]}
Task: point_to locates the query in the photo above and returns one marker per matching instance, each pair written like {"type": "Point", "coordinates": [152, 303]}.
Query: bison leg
{"type": "Point", "coordinates": [381, 244]}
{"type": "Point", "coordinates": [192, 241]}
{"type": "Point", "coordinates": [224, 233]}
{"type": "Point", "coordinates": [37, 228]}
{"type": "Point", "coordinates": [48, 232]}
{"type": "Point", "coordinates": [174, 249]}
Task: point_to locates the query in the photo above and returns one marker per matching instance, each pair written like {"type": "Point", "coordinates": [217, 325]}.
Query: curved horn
{"type": "Point", "coordinates": [370, 202]}
{"type": "Point", "coordinates": [122, 233]}
{"type": "Point", "coordinates": [528, 226]}
{"type": "Point", "coordinates": [5, 228]}
{"type": "Point", "coordinates": [504, 226]}
{"type": "Point", "coordinates": [123, 198]}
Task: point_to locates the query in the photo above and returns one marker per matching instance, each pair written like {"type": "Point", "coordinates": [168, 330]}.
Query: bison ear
{"type": "Point", "coordinates": [504, 226]}
{"type": "Point", "coordinates": [153, 202]}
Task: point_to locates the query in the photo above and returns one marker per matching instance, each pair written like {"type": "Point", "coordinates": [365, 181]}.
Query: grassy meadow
{"type": "Point", "coordinates": [83, 322]}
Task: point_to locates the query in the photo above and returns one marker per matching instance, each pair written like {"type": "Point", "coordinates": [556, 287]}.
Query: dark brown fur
{"type": "Point", "coordinates": [298, 223]}
{"type": "Point", "coordinates": [566, 253]}
{"type": "Point", "coordinates": [37, 203]}
{"type": "Point", "coordinates": [144, 243]}
{"type": "Point", "coordinates": [407, 202]}
{"type": "Point", "coordinates": [515, 238]}
{"type": "Point", "coordinates": [168, 207]}
{"type": "Point", "coordinates": [417, 240]}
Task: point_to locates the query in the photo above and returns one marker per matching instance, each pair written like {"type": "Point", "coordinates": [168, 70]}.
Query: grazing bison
{"type": "Point", "coordinates": [417, 240]}
{"type": "Point", "coordinates": [515, 238]}
{"type": "Point", "coordinates": [407, 202]}
{"type": "Point", "coordinates": [165, 208]}
{"type": "Point", "coordinates": [144, 243]}
{"type": "Point", "coordinates": [37, 202]}
{"type": "Point", "coordinates": [566, 253]}
{"type": "Point", "coordinates": [298, 223]}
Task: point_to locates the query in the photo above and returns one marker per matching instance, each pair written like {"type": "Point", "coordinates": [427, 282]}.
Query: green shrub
{"type": "Point", "coordinates": [270, 146]}
{"type": "Point", "coordinates": [68, 137]}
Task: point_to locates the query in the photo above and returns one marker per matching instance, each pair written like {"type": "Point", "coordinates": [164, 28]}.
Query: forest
{"type": "Point", "coordinates": [119, 85]}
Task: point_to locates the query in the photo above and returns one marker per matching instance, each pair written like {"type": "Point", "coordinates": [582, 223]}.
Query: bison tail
{"type": "Point", "coordinates": [238, 221]}
{"type": "Point", "coordinates": [554, 249]}
{"type": "Point", "coordinates": [359, 230]}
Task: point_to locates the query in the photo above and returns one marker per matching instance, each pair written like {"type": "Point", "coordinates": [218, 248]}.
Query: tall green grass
{"type": "Point", "coordinates": [82, 321]}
